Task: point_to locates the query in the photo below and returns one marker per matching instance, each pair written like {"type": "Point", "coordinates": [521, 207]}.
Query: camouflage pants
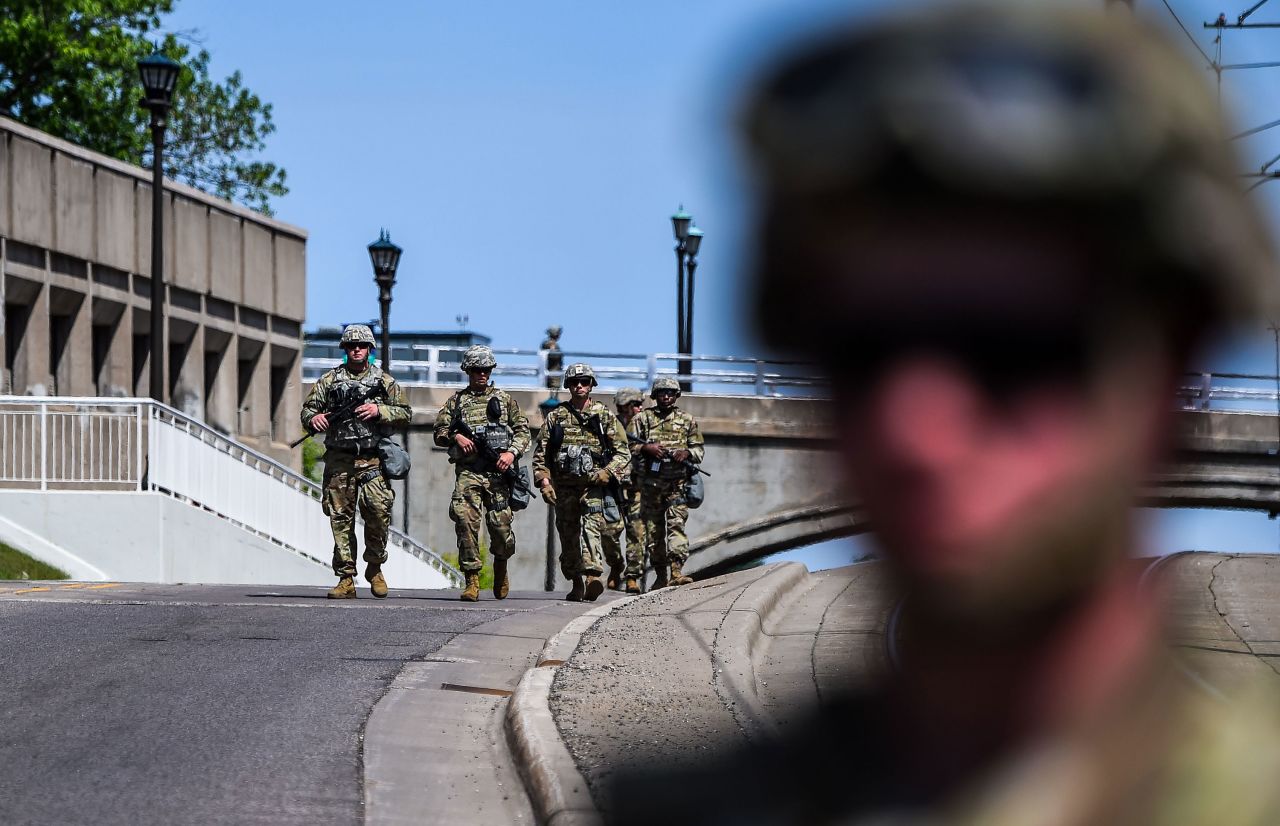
{"type": "Point", "coordinates": [634, 528]}
{"type": "Point", "coordinates": [581, 524]}
{"type": "Point", "coordinates": [663, 514]}
{"type": "Point", "coordinates": [475, 493]}
{"type": "Point", "coordinates": [343, 496]}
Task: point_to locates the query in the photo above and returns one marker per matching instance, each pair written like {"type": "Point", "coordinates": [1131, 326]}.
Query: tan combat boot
{"type": "Point", "coordinates": [579, 588]}
{"type": "Point", "coordinates": [472, 592]}
{"type": "Point", "coordinates": [377, 582]}
{"type": "Point", "coordinates": [595, 587]}
{"type": "Point", "coordinates": [633, 586]}
{"type": "Point", "coordinates": [501, 583]}
{"type": "Point", "coordinates": [345, 589]}
{"type": "Point", "coordinates": [615, 578]}
{"type": "Point", "coordinates": [677, 576]}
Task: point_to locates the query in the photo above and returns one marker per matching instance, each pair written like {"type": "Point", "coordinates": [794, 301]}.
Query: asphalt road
{"type": "Point", "coordinates": [201, 704]}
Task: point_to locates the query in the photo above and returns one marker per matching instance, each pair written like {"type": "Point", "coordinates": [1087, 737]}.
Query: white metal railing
{"type": "Point", "coordinates": [63, 443]}
{"type": "Point", "coordinates": [1230, 392]}
{"type": "Point", "coordinates": [528, 369]}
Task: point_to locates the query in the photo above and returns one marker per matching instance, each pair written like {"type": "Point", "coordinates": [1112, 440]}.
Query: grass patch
{"type": "Point", "coordinates": [312, 452]}
{"type": "Point", "coordinates": [14, 564]}
{"type": "Point", "coordinates": [486, 573]}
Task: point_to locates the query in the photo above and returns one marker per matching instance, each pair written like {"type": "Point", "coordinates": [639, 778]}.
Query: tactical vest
{"type": "Point", "coordinates": [474, 410]}
{"type": "Point", "coordinates": [353, 435]}
{"type": "Point", "coordinates": [580, 452]}
{"type": "Point", "coordinates": [672, 432]}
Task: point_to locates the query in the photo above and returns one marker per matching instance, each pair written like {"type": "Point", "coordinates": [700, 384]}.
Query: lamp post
{"type": "Point", "coordinates": [159, 77]}
{"type": "Point", "coordinates": [549, 579]}
{"type": "Point", "coordinates": [385, 257]}
{"type": "Point", "coordinates": [688, 242]}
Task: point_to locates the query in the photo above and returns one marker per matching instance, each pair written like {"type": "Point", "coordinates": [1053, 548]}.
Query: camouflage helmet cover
{"type": "Point", "coordinates": [664, 384]}
{"type": "Point", "coordinates": [579, 370]}
{"type": "Point", "coordinates": [627, 395]}
{"type": "Point", "coordinates": [1058, 111]}
{"type": "Point", "coordinates": [478, 357]}
{"type": "Point", "coordinates": [358, 334]}
{"type": "Point", "coordinates": [554, 331]}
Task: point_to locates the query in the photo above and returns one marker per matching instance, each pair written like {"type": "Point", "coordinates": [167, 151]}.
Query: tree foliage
{"type": "Point", "coordinates": [68, 67]}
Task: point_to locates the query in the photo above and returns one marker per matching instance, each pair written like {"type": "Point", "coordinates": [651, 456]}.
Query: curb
{"type": "Point", "coordinates": [558, 791]}
{"type": "Point", "coordinates": [739, 640]}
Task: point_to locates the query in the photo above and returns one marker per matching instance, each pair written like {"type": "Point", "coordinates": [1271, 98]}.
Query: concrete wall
{"type": "Point", "coordinates": [75, 255]}
{"type": "Point", "coordinates": [146, 537]}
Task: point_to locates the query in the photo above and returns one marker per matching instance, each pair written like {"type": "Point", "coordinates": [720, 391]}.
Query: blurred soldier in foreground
{"type": "Point", "coordinates": [555, 358]}
{"type": "Point", "coordinates": [666, 441]}
{"type": "Point", "coordinates": [580, 458]}
{"type": "Point", "coordinates": [349, 404]}
{"type": "Point", "coordinates": [1005, 241]}
{"type": "Point", "coordinates": [627, 402]}
{"type": "Point", "coordinates": [486, 432]}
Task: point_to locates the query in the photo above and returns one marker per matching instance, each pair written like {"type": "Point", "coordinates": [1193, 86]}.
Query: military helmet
{"type": "Point", "coordinates": [553, 331]}
{"type": "Point", "coordinates": [358, 334]}
{"type": "Point", "coordinates": [664, 384]}
{"type": "Point", "coordinates": [478, 357]}
{"type": "Point", "coordinates": [579, 370]}
{"type": "Point", "coordinates": [627, 395]}
{"type": "Point", "coordinates": [1041, 111]}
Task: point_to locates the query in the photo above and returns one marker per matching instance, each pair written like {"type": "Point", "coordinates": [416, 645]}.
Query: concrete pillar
{"type": "Point", "coordinates": [26, 312]}
{"type": "Point", "coordinates": [286, 393]}
{"type": "Point", "coordinates": [113, 348]}
{"type": "Point", "coordinates": [186, 367]}
{"type": "Point", "coordinates": [141, 349]}
{"type": "Point", "coordinates": [219, 381]}
{"type": "Point", "coordinates": [70, 343]}
{"type": "Point", "coordinates": [253, 382]}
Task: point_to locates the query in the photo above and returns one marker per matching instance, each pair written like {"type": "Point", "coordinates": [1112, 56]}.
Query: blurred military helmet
{"type": "Point", "coordinates": [1073, 117]}
{"type": "Point", "coordinates": [578, 371]}
{"type": "Point", "coordinates": [627, 395]}
{"type": "Point", "coordinates": [478, 357]}
{"type": "Point", "coordinates": [553, 331]}
{"type": "Point", "coordinates": [664, 384]}
{"type": "Point", "coordinates": [358, 334]}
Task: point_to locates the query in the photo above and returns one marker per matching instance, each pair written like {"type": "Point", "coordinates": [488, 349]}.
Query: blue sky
{"type": "Point", "coordinates": [527, 157]}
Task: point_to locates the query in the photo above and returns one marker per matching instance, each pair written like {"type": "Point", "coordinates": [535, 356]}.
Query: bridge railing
{"type": "Point", "coordinates": [529, 369]}
{"type": "Point", "coordinates": [1230, 392]}
{"type": "Point", "coordinates": [66, 443]}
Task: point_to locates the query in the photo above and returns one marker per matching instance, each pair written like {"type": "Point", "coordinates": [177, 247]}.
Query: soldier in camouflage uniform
{"type": "Point", "coordinates": [665, 438]}
{"type": "Point", "coordinates": [627, 402]}
{"type": "Point", "coordinates": [353, 478]}
{"type": "Point", "coordinates": [580, 457]}
{"type": "Point", "coordinates": [480, 486]}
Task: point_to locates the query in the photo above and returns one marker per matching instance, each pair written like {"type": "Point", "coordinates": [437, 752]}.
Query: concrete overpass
{"type": "Point", "coordinates": [774, 483]}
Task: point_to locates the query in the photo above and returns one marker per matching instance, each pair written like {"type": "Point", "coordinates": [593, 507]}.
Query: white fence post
{"type": "Point", "coordinates": [44, 447]}
{"type": "Point", "coordinates": [760, 383]}
{"type": "Point", "coordinates": [433, 365]}
{"type": "Point", "coordinates": [651, 369]}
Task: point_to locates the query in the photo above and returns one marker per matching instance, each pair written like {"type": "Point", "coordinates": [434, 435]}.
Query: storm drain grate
{"type": "Point", "coordinates": [475, 689]}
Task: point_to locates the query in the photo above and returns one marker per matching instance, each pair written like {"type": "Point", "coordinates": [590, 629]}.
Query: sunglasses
{"type": "Point", "coordinates": [577, 382]}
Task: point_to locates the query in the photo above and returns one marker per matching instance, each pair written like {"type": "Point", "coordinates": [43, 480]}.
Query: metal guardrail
{"type": "Point", "coordinates": [76, 443]}
{"type": "Point", "coordinates": [528, 370]}
{"type": "Point", "coordinates": [1230, 393]}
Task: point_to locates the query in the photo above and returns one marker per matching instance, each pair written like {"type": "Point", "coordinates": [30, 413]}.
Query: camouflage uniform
{"type": "Point", "coordinates": [478, 486]}
{"type": "Point", "coordinates": [662, 483]}
{"type": "Point", "coordinates": [631, 521]}
{"type": "Point", "coordinates": [580, 503]}
{"type": "Point", "coordinates": [353, 477]}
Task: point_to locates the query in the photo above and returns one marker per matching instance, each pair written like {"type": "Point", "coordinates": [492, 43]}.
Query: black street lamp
{"type": "Point", "coordinates": [688, 242]}
{"type": "Point", "coordinates": [385, 257]}
{"type": "Point", "coordinates": [159, 77]}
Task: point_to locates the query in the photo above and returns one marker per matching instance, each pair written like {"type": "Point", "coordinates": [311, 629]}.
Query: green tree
{"type": "Point", "coordinates": [68, 67]}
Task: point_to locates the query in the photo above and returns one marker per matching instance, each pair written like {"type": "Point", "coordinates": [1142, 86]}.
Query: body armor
{"type": "Point", "coordinates": [353, 435]}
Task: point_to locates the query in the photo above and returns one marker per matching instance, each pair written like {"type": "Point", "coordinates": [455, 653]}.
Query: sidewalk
{"type": "Point", "coordinates": [674, 676]}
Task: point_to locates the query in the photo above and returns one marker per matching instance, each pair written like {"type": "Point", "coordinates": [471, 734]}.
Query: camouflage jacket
{"type": "Point", "coordinates": [510, 432]}
{"type": "Point", "coordinates": [610, 453]}
{"type": "Point", "coordinates": [329, 392]}
{"type": "Point", "coordinates": [674, 430]}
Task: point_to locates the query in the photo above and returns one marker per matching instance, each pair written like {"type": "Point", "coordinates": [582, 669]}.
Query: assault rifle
{"type": "Point", "coordinates": [667, 455]}
{"type": "Point", "coordinates": [345, 410]}
{"type": "Point", "coordinates": [511, 474]}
